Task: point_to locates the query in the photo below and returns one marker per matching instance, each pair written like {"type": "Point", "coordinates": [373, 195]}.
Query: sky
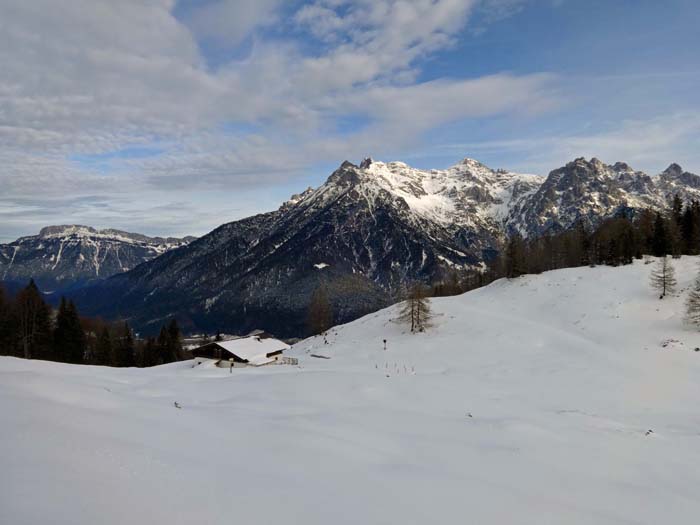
{"type": "Point", "coordinates": [171, 117]}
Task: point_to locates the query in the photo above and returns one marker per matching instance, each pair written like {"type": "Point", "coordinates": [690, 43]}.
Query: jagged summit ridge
{"type": "Point", "coordinates": [471, 194]}
{"type": "Point", "coordinates": [375, 227]}
{"type": "Point", "coordinates": [68, 255]}
{"type": "Point", "coordinates": [81, 231]}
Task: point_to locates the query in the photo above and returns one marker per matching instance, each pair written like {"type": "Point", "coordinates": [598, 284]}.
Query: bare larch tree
{"type": "Point", "coordinates": [663, 277]}
{"type": "Point", "coordinates": [415, 310]}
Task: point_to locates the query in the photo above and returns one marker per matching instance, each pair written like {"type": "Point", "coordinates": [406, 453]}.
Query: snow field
{"type": "Point", "coordinates": [530, 401]}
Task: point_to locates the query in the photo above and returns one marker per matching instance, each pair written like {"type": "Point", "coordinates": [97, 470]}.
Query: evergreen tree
{"type": "Point", "coordinates": [123, 348]}
{"type": "Point", "coordinates": [663, 277]}
{"type": "Point", "coordinates": [690, 232]}
{"type": "Point", "coordinates": [147, 353]}
{"type": "Point", "coordinates": [644, 225]}
{"type": "Point", "coordinates": [175, 341]}
{"type": "Point", "coordinates": [660, 242]}
{"type": "Point", "coordinates": [169, 343]}
{"type": "Point", "coordinates": [320, 315]}
{"type": "Point", "coordinates": [33, 317]}
{"type": "Point", "coordinates": [78, 340]}
{"type": "Point", "coordinates": [515, 259]}
{"type": "Point", "coordinates": [692, 304]}
{"type": "Point", "coordinates": [584, 244]}
{"type": "Point", "coordinates": [163, 347]}
{"type": "Point", "coordinates": [103, 354]}
{"type": "Point", "coordinates": [68, 335]}
{"type": "Point", "coordinates": [7, 330]}
{"type": "Point", "coordinates": [676, 209]}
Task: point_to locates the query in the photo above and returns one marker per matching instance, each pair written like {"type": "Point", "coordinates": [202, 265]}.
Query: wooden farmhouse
{"type": "Point", "coordinates": [255, 350]}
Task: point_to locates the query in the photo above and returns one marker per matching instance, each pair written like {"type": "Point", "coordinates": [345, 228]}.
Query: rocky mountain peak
{"type": "Point", "coordinates": [622, 167]}
{"type": "Point", "coordinates": [366, 163]}
{"type": "Point", "coordinates": [67, 255]}
{"type": "Point", "coordinates": [674, 170]}
{"type": "Point", "coordinates": [373, 227]}
{"type": "Point", "coordinates": [298, 197]}
{"type": "Point", "coordinates": [347, 174]}
{"type": "Point", "coordinates": [66, 230]}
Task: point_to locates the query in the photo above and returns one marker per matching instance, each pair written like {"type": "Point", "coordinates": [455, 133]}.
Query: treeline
{"type": "Point", "coordinates": [30, 328]}
{"type": "Point", "coordinates": [616, 241]}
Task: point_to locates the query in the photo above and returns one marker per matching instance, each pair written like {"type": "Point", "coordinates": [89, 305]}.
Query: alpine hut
{"type": "Point", "coordinates": [255, 350]}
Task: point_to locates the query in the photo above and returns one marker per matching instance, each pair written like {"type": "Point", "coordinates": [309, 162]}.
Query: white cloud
{"type": "Point", "coordinates": [231, 21]}
{"type": "Point", "coordinates": [649, 144]}
{"type": "Point", "coordinates": [86, 77]}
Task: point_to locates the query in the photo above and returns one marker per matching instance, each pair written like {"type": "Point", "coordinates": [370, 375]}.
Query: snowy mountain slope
{"type": "Point", "coordinates": [64, 256]}
{"type": "Point", "coordinates": [529, 401]}
{"type": "Point", "coordinates": [364, 234]}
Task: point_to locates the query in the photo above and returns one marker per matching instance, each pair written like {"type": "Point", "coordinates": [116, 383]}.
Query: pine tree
{"type": "Point", "coordinates": [60, 332]}
{"type": "Point", "coordinates": [147, 353]}
{"type": "Point", "coordinates": [692, 304]}
{"type": "Point", "coordinates": [175, 341]}
{"type": "Point", "coordinates": [676, 209]}
{"type": "Point", "coordinates": [163, 347]}
{"type": "Point", "coordinates": [33, 317]}
{"type": "Point", "coordinates": [68, 335]}
{"type": "Point", "coordinates": [123, 347]}
{"type": "Point", "coordinates": [103, 348]}
{"type": "Point", "coordinates": [515, 259]}
{"type": "Point", "coordinates": [663, 277]}
{"type": "Point", "coordinates": [78, 340]}
{"type": "Point", "coordinates": [6, 325]}
{"type": "Point", "coordinates": [644, 226]}
{"type": "Point", "coordinates": [320, 315]}
{"type": "Point", "coordinates": [660, 242]}
{"type": "Point", "coordinates": [169, 343]}
{"type": "Point", "coordinates": [690, 228]}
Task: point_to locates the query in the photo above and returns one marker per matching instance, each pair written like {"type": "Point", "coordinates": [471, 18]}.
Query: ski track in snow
{"type": "Point", "coordinates": [544, 399]}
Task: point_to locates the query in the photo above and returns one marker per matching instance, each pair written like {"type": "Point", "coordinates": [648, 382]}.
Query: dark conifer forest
{"type": "Point", "coordinates": [616, 241]}
{"type": "Point", "coordinates": [31, 329]}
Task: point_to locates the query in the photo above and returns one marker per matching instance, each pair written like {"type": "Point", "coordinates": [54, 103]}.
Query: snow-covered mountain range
{"type": "Point", "coordinates": [64, 256]}
{"type": "Point", "coordinates": [366, 232]}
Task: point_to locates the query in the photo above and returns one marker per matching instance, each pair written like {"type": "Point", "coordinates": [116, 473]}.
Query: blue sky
{"type": "Point", "coordinates": [171, 117]}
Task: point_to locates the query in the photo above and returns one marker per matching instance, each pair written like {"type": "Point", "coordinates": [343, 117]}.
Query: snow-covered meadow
{"type": "Point", "coordinates": [569, 397]}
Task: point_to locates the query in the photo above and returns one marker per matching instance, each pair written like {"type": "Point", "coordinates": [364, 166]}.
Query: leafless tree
{"type": "Point", "coordinates": [415, 310]}
{"type": "Point", "coordinates": [663, 277]}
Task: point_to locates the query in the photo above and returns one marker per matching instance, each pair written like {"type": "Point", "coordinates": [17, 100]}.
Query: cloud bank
{"type": "Point", "coordinates": [143, 113]}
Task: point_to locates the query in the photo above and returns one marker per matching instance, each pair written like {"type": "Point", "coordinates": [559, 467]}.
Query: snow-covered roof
{"type": "Point", "coordinates": [253, 349]}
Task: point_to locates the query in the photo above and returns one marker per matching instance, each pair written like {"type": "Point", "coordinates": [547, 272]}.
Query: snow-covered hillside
{"type": "Point", "coordinates": [569, 397]}
{"type": "Point", "coordinates": [376, 227]}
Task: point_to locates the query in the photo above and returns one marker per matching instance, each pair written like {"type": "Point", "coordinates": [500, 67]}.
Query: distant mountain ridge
{"type": "Point", "coordinates": [589, 191]}
{"type": "Point", "coordinates": [61, 257]}
{"type": "Point", "coordinates": [363, 235]}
